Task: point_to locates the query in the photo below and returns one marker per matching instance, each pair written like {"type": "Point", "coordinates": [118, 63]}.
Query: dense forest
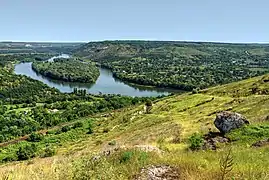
{"type": "Point", "coordinates": [68, 70]}
{"type": "Point", "coordinates": [181, 65]}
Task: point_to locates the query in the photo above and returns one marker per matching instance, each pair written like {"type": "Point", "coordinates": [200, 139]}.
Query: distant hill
{"type": "Point", "coordinates": [36, 47]}
{"type": "Point", "coordinates": [180, 65]}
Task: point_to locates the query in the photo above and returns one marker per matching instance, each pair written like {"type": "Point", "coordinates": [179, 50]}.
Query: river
{"type": "Point", "coordinates": [105, 84]}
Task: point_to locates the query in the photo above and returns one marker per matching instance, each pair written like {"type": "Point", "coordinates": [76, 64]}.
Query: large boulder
{"type": "Point", "coordinates": [227, 121]}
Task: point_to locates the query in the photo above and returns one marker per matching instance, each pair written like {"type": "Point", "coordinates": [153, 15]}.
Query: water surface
{"type": "Point", "coordinates": [105, 84]}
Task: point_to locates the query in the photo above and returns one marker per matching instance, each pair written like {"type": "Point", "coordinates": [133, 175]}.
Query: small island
{"type": "Point", "coordinates": [69, 70]}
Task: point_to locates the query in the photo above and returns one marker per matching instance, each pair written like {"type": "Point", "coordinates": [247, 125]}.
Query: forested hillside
{"type": "Point", "coordinates": [181, 65]}
{"type": "Point", "coordinates": [28, 108]}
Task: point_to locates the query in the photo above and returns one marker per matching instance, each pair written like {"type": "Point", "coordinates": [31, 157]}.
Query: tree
{"type": "Point", "coordinates": [148, 106]}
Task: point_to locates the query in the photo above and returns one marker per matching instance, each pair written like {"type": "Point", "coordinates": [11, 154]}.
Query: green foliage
{"type": "Point", "coordinates": [196, 141]}
{"type": "Point", "coordinates": [90, 130]}
{"type": "Point", "coordinates": [250, 133]}
{"type": "Point", "coordinates": [78, 125]}
{"type": "Point", "coordinates": [48, 152]}
{"type": "Point", "coordinates": [65, 129]}
{"type": "Point", "coordinates": [181, 65]}
{"type": "Point", "coordinates": [126, 156]}
{"type": "Point", "coordinates": [26, 152]}
{"type": "Point", "coordinates": [148, 106]}
{"type": "Point", "coordinates": [35, 137]}
{"type": "Point", "coordinates": [68, 70]}
{"type": "Point", "coordinates": [148, 103]}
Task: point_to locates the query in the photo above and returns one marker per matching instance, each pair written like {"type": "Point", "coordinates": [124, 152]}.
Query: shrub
{"type": "Point", "coordinates": [26, 152]}
{"type": "Point", "coordinates": [90, 131]}
{"type": "Point", "coordinates": [195, 91]}
{"type": "Point", "coordinates": [148, 103]}
{"type": "Point", "coordinates": [66, 128]}
{"type": "Point", "coordinates": [35, 137]}
{"type": "Point", "coordinates": [196, 141]}
{"type": "Point", "coordinates": [77, 125]}
{"type": "Point", "coordinates": [51, 132]}
{"type": "Point", "coordinates": [126, 156]}
{"type": "Point", "coordinates": [48, 152]}
{"type": "Point", "coordinates": [143, 157]}
{"type": "Point", "coordinates": [250, 133]}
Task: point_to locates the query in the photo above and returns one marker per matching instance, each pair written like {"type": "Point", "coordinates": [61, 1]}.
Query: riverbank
{"type": "Point", "coordinates": [105, 84]}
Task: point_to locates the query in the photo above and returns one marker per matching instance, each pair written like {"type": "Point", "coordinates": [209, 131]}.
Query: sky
{"type": "Point", "coordinates": [97, 20]}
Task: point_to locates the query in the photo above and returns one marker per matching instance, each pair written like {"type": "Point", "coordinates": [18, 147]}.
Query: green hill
{"type": "Point", "coordinates": [180, 65]}
{"type": "Point", "coordinates": [127, 143]}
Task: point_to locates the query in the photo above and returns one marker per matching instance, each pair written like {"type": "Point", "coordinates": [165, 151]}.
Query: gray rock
{"type": "Point", "coordinates": [227, 121]}
{"type": "Point", "coordinates": [160, 172]}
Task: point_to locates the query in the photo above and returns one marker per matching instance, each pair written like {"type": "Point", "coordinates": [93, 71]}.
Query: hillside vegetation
{"type": "Point", "coordinates": [181, 65]}
{"type": "Point", "coordinates": [123, 144]}
{"type": "Point", "coordinates": [29, 109]}
{"type": "Point", "coordinates": [68, 70]}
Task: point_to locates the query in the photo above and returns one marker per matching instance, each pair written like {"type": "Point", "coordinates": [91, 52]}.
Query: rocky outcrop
{"type": "Point", "coordinates": [161, 172]}
{"type": "Point", "coordinates": [227, 121]}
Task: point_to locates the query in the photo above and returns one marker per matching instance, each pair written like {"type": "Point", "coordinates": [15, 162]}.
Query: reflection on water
{"type": "Point", "coordinates": [105, 84]}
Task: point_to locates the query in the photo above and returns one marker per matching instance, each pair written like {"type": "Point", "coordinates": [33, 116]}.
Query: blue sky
{"type": "Point", "coordinates": [94, 20]}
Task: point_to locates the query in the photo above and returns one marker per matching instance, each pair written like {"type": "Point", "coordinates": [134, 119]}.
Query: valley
{"type": "Point", "coordinates": [49, 134]}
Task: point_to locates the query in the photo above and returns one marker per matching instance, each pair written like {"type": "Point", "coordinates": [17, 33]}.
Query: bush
{"type": "Point", "coordinates": [66, 128]}
{"type": "Point", "coordinates": [250, 133]}
{"type": "Point", "coordinates": [148, 103]}
{"type": "Point", "coordinates": [126, 156]}
{"type": "Point", "coordinates": [35, 137]}
{"type": "Point", "coordinates": [77, 125]}
{"type": "Point", "coordinates": [196, 141]}
{"type": "Point", "coordinates": [48, 152]}
{"type": "Point", "coordinates": [90, 131]}
{"type": "Point", "coordinates": [195, 91]}
{"type": "Point", "coordinates": [26, 152]}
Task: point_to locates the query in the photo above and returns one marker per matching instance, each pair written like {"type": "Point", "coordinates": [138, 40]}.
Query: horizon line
{"type": "Point", "coordinates": [199, 41]}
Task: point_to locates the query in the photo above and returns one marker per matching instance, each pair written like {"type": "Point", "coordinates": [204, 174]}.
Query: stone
{"type": "Point", "coordinates": [160, 172]}
{"type": "Point", "coordinates": [227, 121]}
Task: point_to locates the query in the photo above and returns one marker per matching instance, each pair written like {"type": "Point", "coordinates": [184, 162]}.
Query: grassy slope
{"type": "Point", "coordinates": [172, 117]}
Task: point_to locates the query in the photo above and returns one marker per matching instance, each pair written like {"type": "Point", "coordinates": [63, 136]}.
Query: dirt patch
{"type": "Point", "coordinates": [160, 172]}
{"type": "Point", "coordinates": [261, 143]}
{"type": "Point", "coordinates": [148, 148]}
{"type": "Point", "coordinates": [212, 139]}
{"type": "Point", "coordinates": [110, 151]}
